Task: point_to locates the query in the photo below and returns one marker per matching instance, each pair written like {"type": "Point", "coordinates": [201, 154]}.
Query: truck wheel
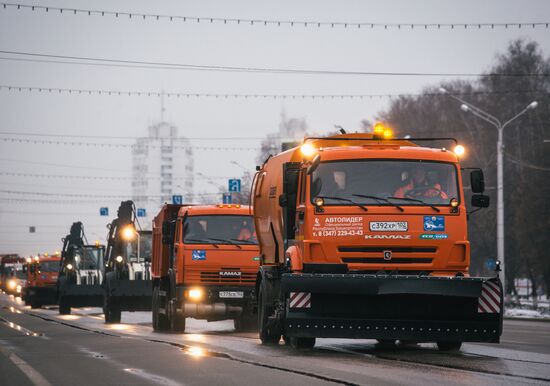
{"type": "Point", "coordinates": [177, 322]}
{"type": "Point", "coordinates": [267, 335]}
{"type": "Point", "coordinates": [245, 323]}
{"type": "Point", "coordinates": [64, 309]}
{"type": "Point", "coordinates": [449, 346]}
{"type": "Point", "coordinates": [35, 304]}
{"type": "Point", "coordinates": [302, 343]}
{"type": "Point", "coordinates": [112, 314]}
{"type": "Point", "coordinates": [160, 322]}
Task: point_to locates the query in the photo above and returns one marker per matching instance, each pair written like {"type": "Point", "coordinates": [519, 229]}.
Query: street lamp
{"type": "Point", "coordinates": [468, 107]}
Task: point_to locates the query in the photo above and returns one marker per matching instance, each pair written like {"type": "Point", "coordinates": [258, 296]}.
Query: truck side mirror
{"type": "Point", "coordinates": [25, 267]}
{"type": "Point", "coordinates": [283, 200]}
{"type": "Point", "coordinates": [477, 181]}
{"type": "Point", "coordinates": [32, 268]}
{"type": "Point", "coordinates": [480, 200]}
{"type": "Point", "coordinates": [314, 164]}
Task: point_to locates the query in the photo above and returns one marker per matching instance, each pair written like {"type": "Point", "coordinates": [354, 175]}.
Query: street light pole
{"type": "Point", "coordinates": [468, 107]}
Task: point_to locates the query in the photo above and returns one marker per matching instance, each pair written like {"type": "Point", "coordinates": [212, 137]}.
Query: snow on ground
{"type": "Point", "coordinates": [525, 314]}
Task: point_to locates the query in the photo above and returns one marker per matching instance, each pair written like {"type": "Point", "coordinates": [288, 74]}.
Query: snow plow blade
{"type": "Point", "coordinates": [417, 308]}
{"type": "Point", "coordinates": [131, 295]}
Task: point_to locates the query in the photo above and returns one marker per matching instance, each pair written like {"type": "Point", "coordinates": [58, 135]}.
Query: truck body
{"type": "Point", "coordinates": [42, 273]}
{"type": "Point", "coordinates": [81, 272]}
{"type": "Point", "coordinates": [127, 281]}
{"type": "Point", "coordinates": [366, 237]}
{"type": "Point", "coordinates": [12, 275]}
{"type": "Point", "coordinates": [205, 260]}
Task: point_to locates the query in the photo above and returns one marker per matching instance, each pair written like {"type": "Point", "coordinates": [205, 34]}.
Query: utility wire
{"type": "Point", "coordinates": [135, 138]}
{"type": "Point", "coordinates": [125, 145]}
{"type": "Point", "coordinates": [189, 95]}
{"type": "Point", "coordinates": [84, 195]}
{"type": "Point", "coordinates": [114, 178]}
{"type": "Point", "coordinates": [272, 22]}
{"type": "Point", "coordinates": [81, 60]}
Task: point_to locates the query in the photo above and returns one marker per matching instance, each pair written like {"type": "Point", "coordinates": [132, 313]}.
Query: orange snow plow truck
{"type": "Point", "coordinates": [365, 236]}
{"type": "Point", "coordinates": [204, 265]}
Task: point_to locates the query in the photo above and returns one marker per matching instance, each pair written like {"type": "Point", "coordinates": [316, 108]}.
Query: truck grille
{"type": "Point", "coordinates": [394, 260]}
{"type": "Point", "coordinates": [368, 254]}
{"type": "Point", "coordinates": [213, 277]}
{"type": "Point", "coordinates": [369, 249]}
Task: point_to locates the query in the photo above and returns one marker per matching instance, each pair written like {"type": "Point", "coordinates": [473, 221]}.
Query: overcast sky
{"type": "Point", "coordinates": [206, 120]}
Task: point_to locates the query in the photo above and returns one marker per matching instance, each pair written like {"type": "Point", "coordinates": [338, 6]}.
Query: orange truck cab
{"type": "Point", "coordinates": [12, 274]}
{"type": "Point", "coordinates": [204, 265]}
{"type": "Point", "coordinates": [42, 274]}
{"type": "Point", "coordinates": [364, 236]}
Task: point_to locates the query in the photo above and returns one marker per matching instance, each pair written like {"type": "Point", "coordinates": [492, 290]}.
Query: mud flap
{"type": "Point", "coordinates": [420, 308]}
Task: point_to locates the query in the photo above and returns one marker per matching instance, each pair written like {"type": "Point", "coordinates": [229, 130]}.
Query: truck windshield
{"type": "Point", "coordinates": [406, 183]}
{"type": "Point", "coordinates": [144, 241]}
{"type": "Point", "coordinates": [49, 266]}
{"type": "Point", "coordinates": [215, 229]}
{"type": "Point", "coordinates": [89, 258]}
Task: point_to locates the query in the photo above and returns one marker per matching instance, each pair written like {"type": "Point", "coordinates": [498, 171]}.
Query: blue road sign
{"type": "Point", "coordinates": [177, 199]}
{"type": "Point", "coordinates": [141, 212]}
{"type": "Point", "coordinates": [235, 185]}
{"type": "Point", "coordinates": [226, 198]}
{"type": "Point", "coordinates": [104, 211]}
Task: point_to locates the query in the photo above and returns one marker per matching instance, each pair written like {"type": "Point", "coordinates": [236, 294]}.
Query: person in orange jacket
{"type": "Point", "coordinates": [419, 186]}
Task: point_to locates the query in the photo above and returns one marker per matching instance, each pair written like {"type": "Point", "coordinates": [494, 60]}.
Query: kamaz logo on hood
{"type": "Point", "coordinates": [388, 237]}
{"type": "Point", "coordinates": [230, 273]}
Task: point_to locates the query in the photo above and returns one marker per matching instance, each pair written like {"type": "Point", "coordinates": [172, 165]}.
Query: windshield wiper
{"type": "Point", "coordinates": [244, 241]}
{"type": "Point", "coordinates": [382, 199]}
{"type": "Point", "coordinates": [226, 241]}
{"type": "Point", "coordinates": [416, 200]}
{"type": "Point", "coordinates": [345, 200]}
{"type": "Point", "coordinates": [203, 241]}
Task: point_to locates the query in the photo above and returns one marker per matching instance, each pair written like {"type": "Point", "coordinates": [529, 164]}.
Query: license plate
{"type": "Point", "coordinates": [389, 226]}
{"type": "Point", "coordinates": [231, 294]}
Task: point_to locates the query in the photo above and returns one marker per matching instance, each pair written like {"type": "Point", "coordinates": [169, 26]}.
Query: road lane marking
{"type": "Point", "coordinates": [34, 376]}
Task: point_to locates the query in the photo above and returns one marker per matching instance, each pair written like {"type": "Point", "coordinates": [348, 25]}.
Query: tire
{"type": "Point", "coordinates": [449, 346]}
{"type": "Point", "coordinates": [177, 322]}
{"type": "Point", "coordinates": [112, 314]}
{"type": "Point", "coordinates": [160, 321]}
{"type": "Point", "coordinates": [267, 335]}
{"type": "Point", "coordinates": [64, 309]}
{"type": "Point", "coordinates": [35, 304]}
{"type": "Point", "coordinates": [245, 323]}
{"type": "Point", "coordinates": [302, 343]}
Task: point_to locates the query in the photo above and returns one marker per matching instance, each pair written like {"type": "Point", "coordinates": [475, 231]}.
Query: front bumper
{"type": "Point", "coordinates": [41, 295]}
{"type": "Point", "coordinates": [213, 305]}
{"type": "Point", "coordinates": [420, 308]}
{"type": "Point", "coordinates": [75, 295]}
{"type": "Point", "coordinates": [131, 295]}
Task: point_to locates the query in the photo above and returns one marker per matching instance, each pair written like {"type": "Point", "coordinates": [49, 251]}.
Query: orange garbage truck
{"type": "Point", "coordinates": [365, 236]}
{"type": "Point", "coordinates": [204, 265]}
{"type": "Point", "coordinates": [42, 274]}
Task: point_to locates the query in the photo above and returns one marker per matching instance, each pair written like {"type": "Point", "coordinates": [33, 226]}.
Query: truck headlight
{"type": "Point", "coordinates": [195, 294]}
{"type": "Point", "coordinates": [119, 259]}
{"type": "Point", "coordinates": [18, 289]}
{"type": "Point", "coordinates": [12, 284]}
{"type": "Point", "coordinates": [69, 266]}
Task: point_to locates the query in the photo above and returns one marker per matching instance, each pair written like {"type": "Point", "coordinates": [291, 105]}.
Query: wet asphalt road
{"type": "Point", "coordinates": [40, 347]}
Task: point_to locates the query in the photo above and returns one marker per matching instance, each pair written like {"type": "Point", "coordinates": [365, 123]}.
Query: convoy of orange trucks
{"type": "Point", "coordinates": [42, 273]}
{"type": "Point", "coordinates": [348, 236]}
{"type": "Point", "coordinates": [204, 265]}
{"type": "Point", "coordinates": [12, 276]}
{"type": "Point", "coordinates": [364, 236]}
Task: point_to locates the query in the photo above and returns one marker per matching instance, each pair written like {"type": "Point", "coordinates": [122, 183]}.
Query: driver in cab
{"type": "Point", "coordinates": [420, 186]}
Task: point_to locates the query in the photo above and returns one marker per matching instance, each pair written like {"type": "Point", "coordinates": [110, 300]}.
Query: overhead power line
{"type": "Point", "coordinates": [81, 60]}
{"type": "Point", "coordinates": [85, 195]}
{"type": "Point", "coordinates": [273, 22]}
{"type": "Point", "coordinates": [189, 95]}
{"type": "Point", "coordinates": [124, 145]}
{"type": "Point", "coordinates": [114, 178]}
{"type": "Point", "coordinates": [132, 138]}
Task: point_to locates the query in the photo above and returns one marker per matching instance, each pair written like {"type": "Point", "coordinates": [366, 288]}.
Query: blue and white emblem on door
{"type": "Point", "coordinates": [434, 223]}
{"type": "Point", "coordinates": [198, 254]}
